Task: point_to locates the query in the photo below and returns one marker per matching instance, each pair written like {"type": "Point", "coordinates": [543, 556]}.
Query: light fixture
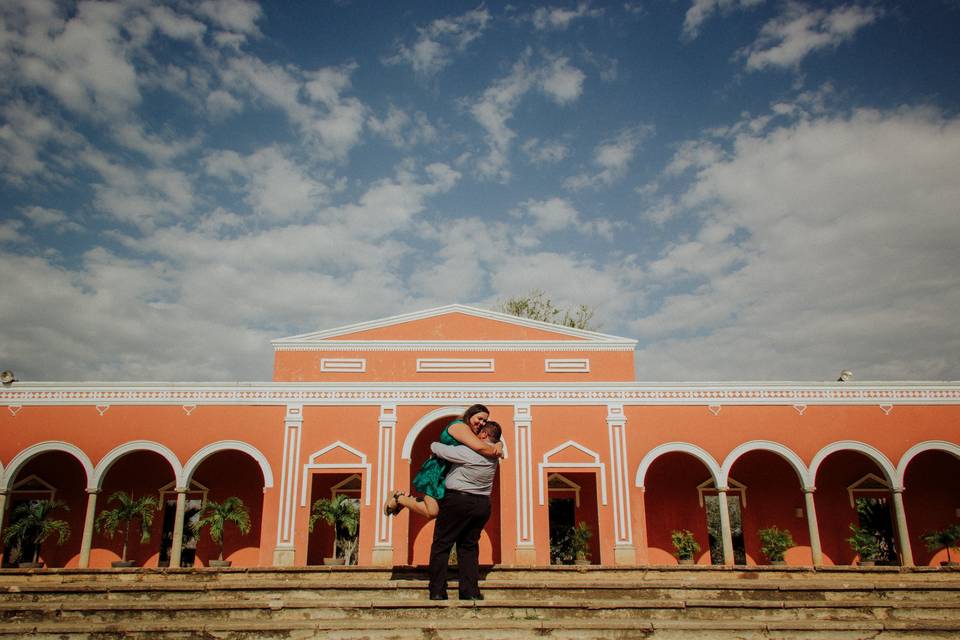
{"type": "Point", "coordinates": [845, 376]}
{"type": "Point", "coordinates": [7, 377]}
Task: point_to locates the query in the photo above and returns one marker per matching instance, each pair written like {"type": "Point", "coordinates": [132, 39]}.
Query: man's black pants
{"type": "Point", "coordinates": [461, 519]}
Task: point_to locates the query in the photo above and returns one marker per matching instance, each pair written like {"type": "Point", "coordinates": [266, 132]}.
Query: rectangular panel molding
{"type": "Point", "coordinates": [452, 365]}
{"type": "Point", "coordinates": [343, 365]}
{"type": "Point", "coordinates": [567, 365]}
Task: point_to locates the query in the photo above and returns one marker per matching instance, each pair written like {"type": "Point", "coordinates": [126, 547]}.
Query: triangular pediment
{"type": "Point", "coordinates": [452, 323]}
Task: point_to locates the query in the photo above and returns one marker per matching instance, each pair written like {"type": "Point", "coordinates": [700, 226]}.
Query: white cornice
{"type": "Point", "coordinates": [373, 393]}
{"type": "Point", "coordinates": [317, 336]}
{"type": "Point", "coordinates": [460, 345]}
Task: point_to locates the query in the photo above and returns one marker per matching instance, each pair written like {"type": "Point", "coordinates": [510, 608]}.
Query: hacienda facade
{"type": "Point", "coordinates": [353, 410]}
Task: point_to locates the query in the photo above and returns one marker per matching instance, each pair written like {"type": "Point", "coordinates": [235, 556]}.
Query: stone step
{"type": "Point", "coordinates": [476, 627]}
{"type": "Point", "coordinates": [106, 611]}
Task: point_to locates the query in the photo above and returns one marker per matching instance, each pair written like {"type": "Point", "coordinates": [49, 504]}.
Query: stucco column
{"type": "Point", "coordinates": [624, 551]}
{"type": "Point", "coordinates": [725, 534]}
{"type": "Point", "coordinates": [284, 554]}
{"type": "Point", "coordinates": [906, 553]}
{"type": "Point", "coordinates": [812, 526]}
{"type": "Point", "coordinates": [177, 547]}
{"type": "Point", "coordinates": [386, 461]}
{"type": "Point", "coordinates": [3, 512]}
{"type": "Point", "coordinates": [87, 540]}
{"type": "Point", "coordinates": [526, 551]}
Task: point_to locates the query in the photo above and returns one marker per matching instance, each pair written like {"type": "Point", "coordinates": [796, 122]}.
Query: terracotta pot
{"type": "Point", "coordinates": [333, 561]}
{"type": "Point", "coordinates": [868, 563]}
{"type": "Point", "coordinates": [219, 563]}
{"type": "Point", "coordinates": [685, 561]}
{"type": "Point", "coordinates": [30, 565]}
{"type": "Point", "coordinates": [119, 564]}
{"type": "Point", "coordinates": [949, 564]}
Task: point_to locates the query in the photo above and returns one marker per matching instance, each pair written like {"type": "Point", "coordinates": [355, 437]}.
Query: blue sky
{"type": "Point", "coordinates": [753, 189]}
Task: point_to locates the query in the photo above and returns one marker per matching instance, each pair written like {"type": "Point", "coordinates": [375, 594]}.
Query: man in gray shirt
{"type": "Point", "coordinates": [464, 511]}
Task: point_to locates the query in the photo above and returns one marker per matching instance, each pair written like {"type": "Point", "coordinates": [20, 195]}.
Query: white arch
{"type": "Point", "coordinates": [42, 447]}
{"type": "Point", "coordinates": [546, 465]}
{"type": "Point", "coordinates": [129, 447]}
{"type": "Point", "coordinates": [929, 445]}
{"type": "Point", "coordinates": [873, 453]}
{"type": "Point", "coordinates": [423, 423]}
{"type": "Point", "coordinates": [766, 445]}
{"type": "Point", "coordinates": [677, 447]}
{"type": "Point", "coordinates": [227, 445]}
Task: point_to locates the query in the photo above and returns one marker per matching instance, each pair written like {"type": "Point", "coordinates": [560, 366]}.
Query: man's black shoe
{"type": "Point", "coordinates": [438, 596]}
{"type": "Point", "coordinates": [478, 596]}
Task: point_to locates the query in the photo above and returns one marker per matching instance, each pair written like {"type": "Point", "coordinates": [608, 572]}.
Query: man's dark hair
{"type": "Point", "coordinates": [493, 431]}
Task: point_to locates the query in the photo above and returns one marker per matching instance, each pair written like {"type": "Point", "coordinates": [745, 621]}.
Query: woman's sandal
{"type": "Point", "coordinates": [394, 508]}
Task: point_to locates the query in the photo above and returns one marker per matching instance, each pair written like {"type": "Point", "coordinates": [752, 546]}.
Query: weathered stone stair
{"type": "Point", "coordinates": [552, 602]}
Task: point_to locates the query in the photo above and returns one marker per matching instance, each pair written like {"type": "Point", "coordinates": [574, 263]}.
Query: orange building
{"type": "Point", "coordinates": [353, 410]}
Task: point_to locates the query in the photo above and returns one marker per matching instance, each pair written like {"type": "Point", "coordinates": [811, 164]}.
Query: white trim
{"type": "Point", "coordinates": [386, 447]}
{"type": "Point", "coordinates": [546, 465]}
{"type": "Point", "coordinates": [443, 412]}
{"type": "Point", "coordinates": [566, 365]}
{"type": "Point", "coordinates": [570, 485]}
{"type": "Point", "coordinates": [446, 393]}
{"type": "Point", "coordinates": [457, 345]}
{"type": "Point", "coordinates": [889, 472]}
{"type": "Point", "coordinates": [343, 365]}
{"type": "Point", "coordinates": [313, 465]}
{"type": "Point", "coordinates": [929, 445]}
{"type": "Point", "coordinates": [676, 447]}
{"type": "Point", "coordinates": [286, 501]}
{"type": "Point", "coordinates": [523, 427]}
{"type": "Point", "coordinates": [446, 310]}
{"type": "Point", "coordinates": [616, 433]}
{"type": "Point", "coordinates": [455, 365]}
{"type": "Point", "coordinates": [118, 452]}
{"type": "Point", "coordinates": [229, 445]}
{"type": "Point", "coordinates": [43, 447]}
{"type": "Point", "coordinates": [784, 452]}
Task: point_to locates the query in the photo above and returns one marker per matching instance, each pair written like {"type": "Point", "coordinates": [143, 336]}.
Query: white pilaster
{"type": "Point", "coordinates": [286, 519]}
{"type": "Point", "coordinates": [624, 551]}
{"type": "Point", "coordinates": [386, 460]}
{"type": "Point", "coordinates": [522, 420]}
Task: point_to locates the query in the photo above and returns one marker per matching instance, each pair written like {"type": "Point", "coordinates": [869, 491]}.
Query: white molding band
{"type": "Point", "coordinates": [457, 345]}
{"type": "Point", "coordinates": [523, 424]}
{"type": "Point", "coordinates": [547, 465]}
{"type": "Point", "coordinates": [616, 430]}
{"type": "Point", "coordinates": [25, 456]}
{"type": "Point", "coordinates": [343, 365]}
{"type": "Point", "coordinates": [138, 445]}
{"type": "Point", "coordinates": [386, 471]}
{"type": "Point", "coordinates": [313, 465]}
{"type": "Point", "coordinates": [455, 365]}
{"type": "Point", "coordinates": [292, 432]}
{"type": "Point", "coordinates": [447, 393]}
{"type": "Point", "coordinates": [566, 365]}
{"type": "Point", "coordinates": [227, 445]}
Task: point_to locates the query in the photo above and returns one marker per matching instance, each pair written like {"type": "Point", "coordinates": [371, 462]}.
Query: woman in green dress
{"type": "Point", "coordinates": [432, 474]}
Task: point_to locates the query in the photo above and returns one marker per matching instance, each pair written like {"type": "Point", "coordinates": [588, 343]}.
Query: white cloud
{"type": "Point", "coordinates": [559, 19]}
{"type": "Point", "coordinates": [830, 239]}
{"type": "Point", "coordinates": [542, 152]}
{"type": "Point", "coordinates": [495, 107]}
{"type": "Point", "coordinates": [437, 42]}
{"type": "Point", "coordinates": [611, 159]}
{"type": "Point", "coordinates": [236, 16]}
{"type": "Point", "coordinates": [10, 231]}
{"type": "Point", "coordinates": [786, 40]}
{"type": "Point", "coordinates": [401, 130]}
{"type": "Point", "coordinates": [52, 218]}
{"type": "Point", "coordinates": [555, 215]}
{"type": "Point", "coordinates": [701, 10]}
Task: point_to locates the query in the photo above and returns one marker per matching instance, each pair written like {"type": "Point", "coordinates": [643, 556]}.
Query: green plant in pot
{"type": "Point", "coordinates": [865, 544]}
{"type": "Point", "coordinates": [685, 544]}
{"type": "Point", "coordinates": [129, 510]}
{"type": "Point", "coordinates": [31, 523]}
{"type": "Point", "coordinates": [948, 538]}
{"type": "Point", "coordinates": [774, 543]}
{"type": "Point", "coordinates": [341, 513]}
{"type": "Point", "coordinates": [215, 516]}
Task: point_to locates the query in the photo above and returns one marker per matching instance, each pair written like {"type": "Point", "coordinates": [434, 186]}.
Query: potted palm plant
{"type": "Point", "coordinates": [127, 512]}
{"type": "Point", "coordinates": [215, 516]}
{"type": "Point", "coordinates": [685, 545]}
{"type": "Point", "coordinates": [948, 538]}
{"type": "Point", "coordinates": [865, 544]}
{"type": "Point", "coordinates": [341, 513]}
{"type": "Point", "coordinates": [774, 543]}
{"type": "Point", "coordinates": [30, 522]}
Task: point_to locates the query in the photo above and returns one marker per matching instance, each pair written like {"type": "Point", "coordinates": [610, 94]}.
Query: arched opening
{"type": "Point", "coordinates": [772, 496]}
{"type": "Point", "coordinates": [931, 502]}
{"type": "Point", "coordinates": [138, 473]}
{"type": "Point", "coordinates": [672, 503]}
{"type": "Point", "coordinates": [421, 530]}
{"type": "Point", "coordinates": [49, 475]}
{"type": "Point", "coordinates": [853, 490]}
{"type": "Point", "coordinates": [225, 474]}
{"type": "Point", "coordinates": [322, 542]}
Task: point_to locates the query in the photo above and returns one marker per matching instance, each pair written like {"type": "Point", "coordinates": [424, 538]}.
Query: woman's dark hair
{"type": "Point", "coordinates": [474, 410]}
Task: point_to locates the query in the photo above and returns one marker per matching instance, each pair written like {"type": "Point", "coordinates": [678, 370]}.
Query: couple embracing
{"type": "Point", "coordinates": [456, 482]}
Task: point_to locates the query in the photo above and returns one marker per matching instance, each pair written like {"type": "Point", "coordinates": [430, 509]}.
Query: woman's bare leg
{"type": "Point", "coordinates": [428, 507]}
